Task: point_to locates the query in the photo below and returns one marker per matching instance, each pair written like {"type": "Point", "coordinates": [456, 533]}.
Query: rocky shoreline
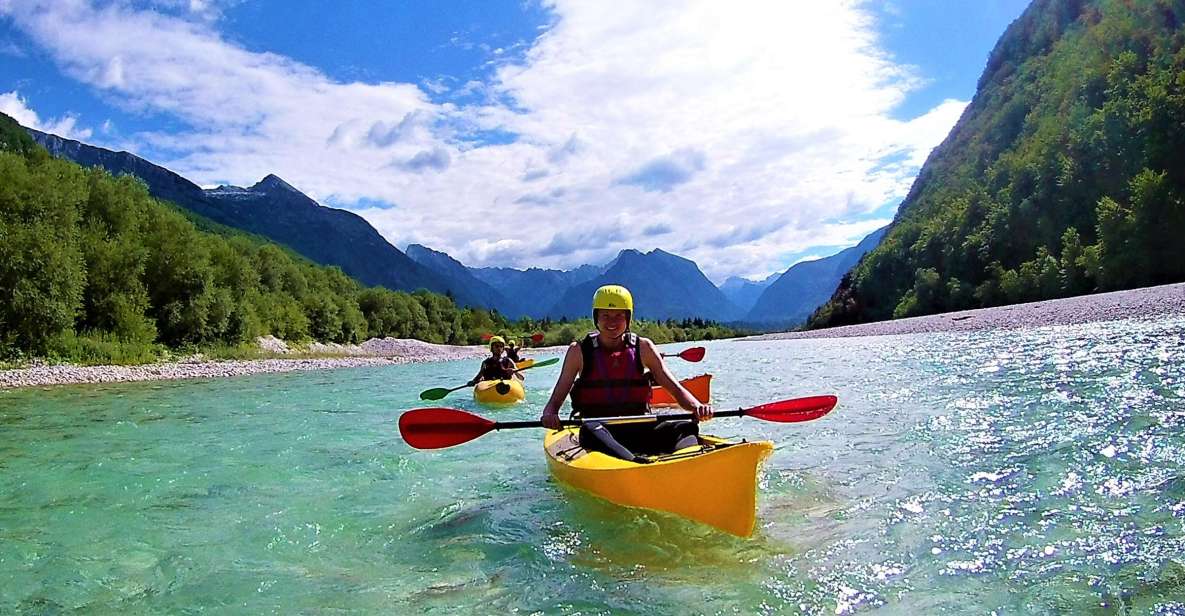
{"type": "Point", "coordinates": [1149, 302]}
{"type": "Point", "coordinates": [374, 352]}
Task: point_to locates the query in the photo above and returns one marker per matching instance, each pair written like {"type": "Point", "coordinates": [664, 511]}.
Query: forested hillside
{"type": "Point", "coordinates": [1064, 176]}
{"type": "Point", "coordinates": [93, 269]}
{"type": "Point", "coordinates": [275, 210]}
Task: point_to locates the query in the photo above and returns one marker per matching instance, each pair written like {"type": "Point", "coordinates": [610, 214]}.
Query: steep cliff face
{"type": "Point", "coordinates": [1062, 177]}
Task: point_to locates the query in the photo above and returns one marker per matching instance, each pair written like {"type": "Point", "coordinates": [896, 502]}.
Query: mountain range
{"type": "Point", "coordinates": [666, 286]}
{"type": "Point", "coordinates": [274, 209]}
{"type": "Point", "coordinates": [744, 292]}
{"type": "Point", "coordinates": [794, 295]}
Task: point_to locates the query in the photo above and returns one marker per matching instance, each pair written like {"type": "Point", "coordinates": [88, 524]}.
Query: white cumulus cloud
{"type": "Point", "coordinates": [730, 133]}
{"type": "Point", "coordinates": [16, 107]}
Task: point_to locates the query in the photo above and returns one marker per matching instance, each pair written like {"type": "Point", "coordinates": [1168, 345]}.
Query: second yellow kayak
{"type": "Point", "coordinates": [486, 392]}
{"type": "Point", "coordinates": [714, 483]}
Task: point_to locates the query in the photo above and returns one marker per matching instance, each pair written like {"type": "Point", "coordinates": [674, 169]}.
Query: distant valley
{"type": "Point", "coordinates": [665, 285]}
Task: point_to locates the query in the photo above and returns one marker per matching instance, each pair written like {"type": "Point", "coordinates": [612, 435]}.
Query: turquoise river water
{"type": "Point", "coordinates": [1040, 471]}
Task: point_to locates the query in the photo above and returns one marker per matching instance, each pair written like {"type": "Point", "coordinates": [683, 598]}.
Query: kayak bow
{"type": "Point", "coordinates": [714, 483]}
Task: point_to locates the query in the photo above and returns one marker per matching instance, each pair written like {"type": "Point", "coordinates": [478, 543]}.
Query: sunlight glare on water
{"type": "Point", "coordinates": [1036, 471]}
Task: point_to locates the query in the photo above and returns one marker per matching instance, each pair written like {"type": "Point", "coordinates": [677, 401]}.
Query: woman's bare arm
{"type": "Point", "coordinates": [573, 364]}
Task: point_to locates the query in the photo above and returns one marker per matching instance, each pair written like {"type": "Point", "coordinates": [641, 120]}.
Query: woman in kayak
{"type": "Point", "coordinates": [608, 374]}
{"type": "Point", "coordinates": [496, 367]}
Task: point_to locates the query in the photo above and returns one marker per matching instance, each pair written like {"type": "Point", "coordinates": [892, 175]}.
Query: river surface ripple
{"type": "Point", "coordinates": [1038, 471]}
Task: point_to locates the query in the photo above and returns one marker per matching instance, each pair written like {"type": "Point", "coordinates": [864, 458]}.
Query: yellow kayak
{"type": "Point", "coordinates": [486, 392]}
{"type": "Point", "coordinates": [714, 483]}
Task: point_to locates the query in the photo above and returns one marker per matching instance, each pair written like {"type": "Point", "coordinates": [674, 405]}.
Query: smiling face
{"type": "Point", "coordinates": [612, 323]}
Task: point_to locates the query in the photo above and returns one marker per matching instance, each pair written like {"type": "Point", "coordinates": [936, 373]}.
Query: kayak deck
{"type": "Point", "coordinates": [714, 483]}
{"type": "Point", "coordinates": [486, 392]}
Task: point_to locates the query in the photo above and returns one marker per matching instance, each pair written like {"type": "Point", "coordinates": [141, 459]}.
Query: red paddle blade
{"type": "Point", "coordinates": [536, 338]}
{"type": "Point", "coordinates": [435, 428]}
{"type": "Point", "coordinates": [798, 409]}
{"type": "Point", "coordinates": [693, 354]}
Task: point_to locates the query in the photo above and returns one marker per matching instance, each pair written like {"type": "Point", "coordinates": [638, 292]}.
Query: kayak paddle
{"type": "Point", "coordinates": [436, 393]}
{"type": "Point", "coordinates": [693, 354]}
{"type": "Point", "coordinates": [546, 362]}
{"type": "Point", "coordinates": [439, 427]}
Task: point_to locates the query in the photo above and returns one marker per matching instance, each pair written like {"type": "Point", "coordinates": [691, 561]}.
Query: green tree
{"type": "Point", "coordinates": [1073, 275]}
{"type": "Point", "coordinates": [41, 265]}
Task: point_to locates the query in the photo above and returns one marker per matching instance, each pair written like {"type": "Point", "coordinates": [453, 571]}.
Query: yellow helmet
{"type": "Point", "coordinates": [496, 340]}
{"type": "Point", "coordinates": [512, 342]}
{"type": "Point", "coordinates": [613, 297]}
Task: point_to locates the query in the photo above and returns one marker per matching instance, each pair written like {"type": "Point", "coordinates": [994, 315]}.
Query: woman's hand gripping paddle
{"type": "Point", "coordinates": [436, 428]}
{"type": "Point", "coordinates": [693, 354]}
{"type": "Point", "coordinates": [438, 393]}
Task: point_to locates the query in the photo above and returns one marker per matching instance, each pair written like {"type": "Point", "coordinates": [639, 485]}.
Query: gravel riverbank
{"type": "Point", "coordinates": [1148, 302]}
{"type": "Point", "coordinates": [374, 352]}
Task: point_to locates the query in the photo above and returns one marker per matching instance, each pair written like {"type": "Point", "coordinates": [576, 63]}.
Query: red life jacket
{"type": "Point", "coordinates": [611, 383]}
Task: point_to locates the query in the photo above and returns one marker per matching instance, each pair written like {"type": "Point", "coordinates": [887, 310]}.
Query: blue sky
{"type": "Point", "coordinates": [745, 136]}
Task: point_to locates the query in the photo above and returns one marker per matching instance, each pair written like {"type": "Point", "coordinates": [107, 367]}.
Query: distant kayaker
{"type": "Point", "coordinates": [497, 366]}
{"type": "Point", "coordinates": [606, 375]}
{"type": "Point", "coordinates": [512, 350]}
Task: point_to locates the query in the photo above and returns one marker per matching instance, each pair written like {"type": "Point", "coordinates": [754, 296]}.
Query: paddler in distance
{"type": "Point", "coordinates": [496, 367]}
{"type": "Point", "coordinates": [606, 375]}
{"type": "Point", "coordinates": [512, 350]}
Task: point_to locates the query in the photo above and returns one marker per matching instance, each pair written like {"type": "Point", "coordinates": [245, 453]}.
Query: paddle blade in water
{"type": "Point", "coordinates": [798, 409]}
{"type": "Point", "coordinates": [435, 428]}
{"type": "Point", "coordinates": [435, 393]}
{"type": "Point", "coordinates": [693, 354]}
